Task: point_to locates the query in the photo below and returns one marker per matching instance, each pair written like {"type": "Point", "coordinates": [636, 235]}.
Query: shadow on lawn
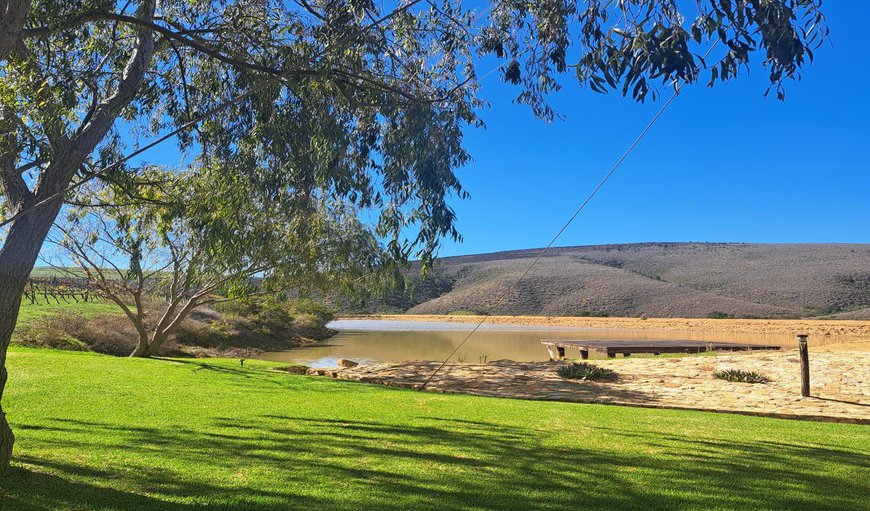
{"type": "Point", "coordinates": [231, 371]}
{"type": "Point", "coordinates": [282, 462]}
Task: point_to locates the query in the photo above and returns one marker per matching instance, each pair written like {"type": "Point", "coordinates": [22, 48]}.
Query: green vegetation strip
{"type": "Point", "coordinates": [103, 433]}
{"type": "Point", "coordinates": [28, 313]}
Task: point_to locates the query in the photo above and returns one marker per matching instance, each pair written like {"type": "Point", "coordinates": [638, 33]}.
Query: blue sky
{"type": "Point", "coordinates": [723, 164]}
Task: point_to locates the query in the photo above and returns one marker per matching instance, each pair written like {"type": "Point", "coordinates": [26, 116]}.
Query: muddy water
{"type": "Point", "coordinates": [368, 341]}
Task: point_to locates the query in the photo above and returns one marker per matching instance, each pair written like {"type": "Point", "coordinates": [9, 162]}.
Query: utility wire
{"type": "Point", "coordinates": [568, 223]}
{"type": "Point", "coordinates": [206, 114]}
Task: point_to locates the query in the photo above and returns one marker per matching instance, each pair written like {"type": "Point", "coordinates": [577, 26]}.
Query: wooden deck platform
{"type": "Point", "coordinates": [557, 348]}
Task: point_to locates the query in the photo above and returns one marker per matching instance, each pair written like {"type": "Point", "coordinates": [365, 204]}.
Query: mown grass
{"type": "Point", "coordinates": [27, 313]}
{"type": "Point", "coordinates": [103, 433]}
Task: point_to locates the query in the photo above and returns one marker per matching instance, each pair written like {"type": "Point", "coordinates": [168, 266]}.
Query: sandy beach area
{"type": "Point", "coordinates": [830, 334]}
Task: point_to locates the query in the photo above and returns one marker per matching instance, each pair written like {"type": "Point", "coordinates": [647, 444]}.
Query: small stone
{"type": "Point", "coordinates": [343, 362]}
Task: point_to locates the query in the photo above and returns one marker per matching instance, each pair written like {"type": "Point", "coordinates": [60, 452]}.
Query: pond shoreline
{"type": "Point", "coordinates": [821, 331]}
{"type": "Point", "coordinates": [399, 338]}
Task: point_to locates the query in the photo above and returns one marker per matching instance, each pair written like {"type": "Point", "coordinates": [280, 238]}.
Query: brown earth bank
{"type": "Point", "coordinates": [820, 331]}
{"type": "Point", "coordinates": [233, 330]}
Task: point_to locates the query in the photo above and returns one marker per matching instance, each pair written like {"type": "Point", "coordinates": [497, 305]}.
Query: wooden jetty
{"type": "Point", "coordinates": [557, 348]}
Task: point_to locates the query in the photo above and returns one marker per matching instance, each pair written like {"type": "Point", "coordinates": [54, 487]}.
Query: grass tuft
{"type": "Point", "coordinates": [741, 376]}
{"type": "Point", "coordinates": [586, 371]}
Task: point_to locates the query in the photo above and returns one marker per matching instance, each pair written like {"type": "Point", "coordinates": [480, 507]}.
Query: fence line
{"type": "Point", "coordinates": [57, 290]}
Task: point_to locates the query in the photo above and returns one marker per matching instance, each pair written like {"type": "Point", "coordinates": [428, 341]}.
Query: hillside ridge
{"type": "Point", "coordinates": [656, 279]}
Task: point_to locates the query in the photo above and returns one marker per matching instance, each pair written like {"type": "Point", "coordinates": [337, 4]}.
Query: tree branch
{"type": "Point", "coordinates": [13, 14]}
{"type": "Point", "coordinates": [11, 179]}
{"type": "Point", "coordinates": [148, 24]}
{"type": "Point", "coordinates": [133, 75]}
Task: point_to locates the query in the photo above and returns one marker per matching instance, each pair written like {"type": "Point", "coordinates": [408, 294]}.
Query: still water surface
{"type": "Point", "coordinates": [369, 341]}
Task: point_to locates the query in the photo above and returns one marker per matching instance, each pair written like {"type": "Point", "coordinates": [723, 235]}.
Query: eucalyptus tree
{"type": "Point", "coordinates": [160, 252]}
{"type": "Point", "coordinates": [357, 100]}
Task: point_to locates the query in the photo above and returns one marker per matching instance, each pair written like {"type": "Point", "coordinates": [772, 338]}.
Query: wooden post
{"type": "Point", "coordinates": [805, 364]}
{"type": "Point", "coordinates": [551, 352]}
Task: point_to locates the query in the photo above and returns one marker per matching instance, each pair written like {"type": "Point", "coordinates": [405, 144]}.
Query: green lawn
{"type": "Point", "coordinates": [99, 433]}
{"type": "Point", "coordinates": [29, 312]}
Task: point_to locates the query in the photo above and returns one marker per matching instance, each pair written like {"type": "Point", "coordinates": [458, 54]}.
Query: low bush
{"type": "Point", "coordinates": [586, 371]}
{"type": "Point", "coordinates": [312, 308]}
{"type": "Point", "coordinates": [591, 314]}
{"type": "Point", "coordinates": [243, 328]}
{"type": "Point", "coordinates": [274, 316]}
{"type": "Point", "coordinates": [204, 332]}
{"type": "Point", "coordinates": [263, 325]}
{"type": "Point", "coordinates": [463, 313]}
{"type": "Point", "coordinates": [110, 334]}
{"type": "Point", "coordinates": [58, 331]}
{"type": "Point", "coordinates": [741, 376]}
{"type": "Point", "coordinates": [235, 307]}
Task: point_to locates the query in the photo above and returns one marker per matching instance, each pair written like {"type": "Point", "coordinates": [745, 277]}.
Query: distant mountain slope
{"type": "Point", "coordinates": [656, 279]}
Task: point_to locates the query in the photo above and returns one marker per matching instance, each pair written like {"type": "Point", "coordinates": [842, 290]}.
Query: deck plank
{"type": "Point", "coordinates": [652, 346]}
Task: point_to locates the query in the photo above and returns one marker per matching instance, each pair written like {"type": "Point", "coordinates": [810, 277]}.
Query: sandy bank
{"type": "Point", "coordinates": [822, 332]}
{"type": "Point", "coordinates": [839, 384]}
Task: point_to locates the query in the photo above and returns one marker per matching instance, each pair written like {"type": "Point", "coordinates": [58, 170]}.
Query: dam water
{"type": "Point", "coordinates": [373, 341]}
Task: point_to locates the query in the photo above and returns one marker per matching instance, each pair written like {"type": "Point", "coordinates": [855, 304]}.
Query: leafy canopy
{"type": "Point", "coordinates": [213, 230]}
{"type": "Point", "coordinates": [373, 97]}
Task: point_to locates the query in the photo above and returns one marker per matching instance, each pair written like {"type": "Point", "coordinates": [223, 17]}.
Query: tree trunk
{"type": "Point", "coordinates": [27, 234]}
{"type": "Point", "coordinates": [7, 439]}
{"type": "Point", "coordinates": [141, 349]}
{"type": "Point", "coordinates": [147, 347]}
{"type": "Point", "coordinates": [17, 257]}
{"type": "Point", "coordinates": [154, 347]}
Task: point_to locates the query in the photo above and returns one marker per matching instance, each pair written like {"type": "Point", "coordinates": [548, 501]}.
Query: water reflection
{"type": "Point", "coordinates": [369, 341]}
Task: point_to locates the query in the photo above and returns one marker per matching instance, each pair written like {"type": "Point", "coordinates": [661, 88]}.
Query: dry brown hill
{"type": "Point", "coordinates": [655, 279]}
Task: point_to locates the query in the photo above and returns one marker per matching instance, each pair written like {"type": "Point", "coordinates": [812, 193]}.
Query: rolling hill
{"type": "Point", "coordinates": [653, 279]}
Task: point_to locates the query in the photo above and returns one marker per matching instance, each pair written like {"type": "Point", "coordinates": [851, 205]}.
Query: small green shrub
{"type": "Point", "coordinates": [463, 313]}
{"type": "Point", "coordinates": [236, 307]}
{"type": "Point", "coordinates": [276, 317]}
{"type": "Point", "coordinates": [310, 314]}
{"type": "Point", "coordinates": [206, 334]}
{"type": "Point", "coordinates": [741, 376]}
{"type": "Point", "coordinates": [586, 371]}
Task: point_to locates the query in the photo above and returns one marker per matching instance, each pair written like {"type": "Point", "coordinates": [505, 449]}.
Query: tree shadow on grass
{"type": "Point", "coordinates": [37, 489]}
{"type": "Point", "coordinates": [204, 366]}
{"type": "Point", "coordinates": [426, 463]}
{"type": "Point", "coordinates": [26, 490]}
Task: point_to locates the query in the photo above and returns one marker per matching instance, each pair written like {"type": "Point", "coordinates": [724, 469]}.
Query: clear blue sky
{"type": "Point", "coordinates": [723, 164]}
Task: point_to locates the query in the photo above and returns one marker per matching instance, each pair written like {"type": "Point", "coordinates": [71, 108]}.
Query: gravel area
{"type": "Point", "coordinates": [840, 383]}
